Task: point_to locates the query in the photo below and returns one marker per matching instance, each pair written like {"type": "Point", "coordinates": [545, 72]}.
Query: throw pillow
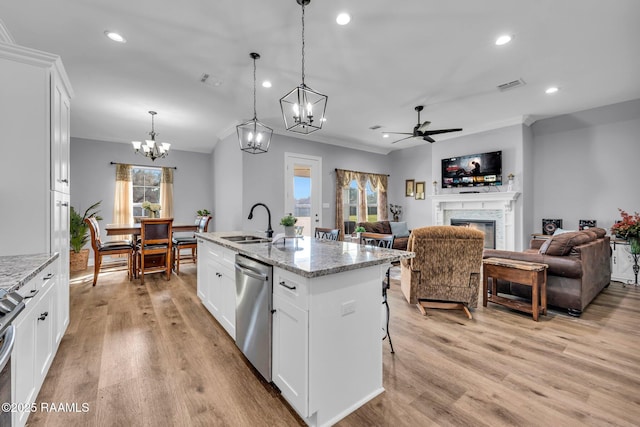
{"type": "Point", "coordinates": [561, 230]}
{"type": "Point", "coordinates": [561, 244]}
{"type": "Point", "coordinates": [399, 229]}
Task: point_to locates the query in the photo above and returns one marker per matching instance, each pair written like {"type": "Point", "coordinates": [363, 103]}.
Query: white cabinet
{"type": "Point", "coordinates": [36, 343]}
{"type": "Point", "coordinates": [60, 134]}
{"type": "Point", "coordinates": [217, 283]}
{"type": "Point", "coordinates": [621, 262]}
{"type": "Point", "coordinates": [327, 348]}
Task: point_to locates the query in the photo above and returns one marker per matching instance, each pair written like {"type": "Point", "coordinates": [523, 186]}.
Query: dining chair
{"type": "Point", "coordinates": [382, 241]}
{"type": "Point", "coordinates": [327, 233]}
{"type": "Point", "coordinates": [100, 249]}
{"type": "Point", "coordinates": [188, 242]}
{"type": "Point", "coordinates": [153, 252]}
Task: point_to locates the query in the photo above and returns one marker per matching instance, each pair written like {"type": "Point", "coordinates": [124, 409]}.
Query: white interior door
{"type": "Point", "coordinates": [303, 190]}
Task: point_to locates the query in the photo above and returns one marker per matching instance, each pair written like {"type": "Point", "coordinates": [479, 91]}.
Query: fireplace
{"type": "Point", "coordinates": [487, 226]}
{"type": "Point", "coordinates": [500, 207]}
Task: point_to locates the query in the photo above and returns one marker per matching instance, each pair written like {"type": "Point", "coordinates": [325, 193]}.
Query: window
{"type": "Point", "coordinates": [146, 188]}
{"type": "Point", "coordinates": [350, 202]}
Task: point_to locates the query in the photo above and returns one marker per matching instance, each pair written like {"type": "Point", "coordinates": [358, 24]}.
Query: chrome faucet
{"type": "Point", "coordinates": [269, 230]}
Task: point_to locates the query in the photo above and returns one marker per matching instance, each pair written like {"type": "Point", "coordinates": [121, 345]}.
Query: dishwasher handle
{"type": "Point", "coordinates": [245, 269]}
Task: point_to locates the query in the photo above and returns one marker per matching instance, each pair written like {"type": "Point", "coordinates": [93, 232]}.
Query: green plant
{"type": "Point", "coordinates": [288, 220]}
{"type": "Point", "coordinates": [360, 229]}
{"type": "Point", "coordinates": [203, 212]}
{"type": "Point", "coordinates": [78, 229]}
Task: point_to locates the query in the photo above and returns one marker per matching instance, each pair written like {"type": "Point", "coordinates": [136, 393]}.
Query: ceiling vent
{"type": "Point", "coordinates": [210, 80]}
{"type": "Point", "coordinates": [375, 127]}
{"type": "Point", "coordinates": [511, 85]}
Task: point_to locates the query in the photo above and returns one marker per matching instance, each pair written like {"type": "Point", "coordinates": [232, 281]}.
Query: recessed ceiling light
{"type": "Point", "coordinates": [385, 135]}
{"type": "Point", "coordinates": [343, 18]}
{"type": "Point", "coordinates": [115, 36]}
{"type": "Point", "coordinates": [551, 90]}
{"type": "Point", "coordinates": [504, 39]}
{"type": "Point", "coordinates": [266, 83]}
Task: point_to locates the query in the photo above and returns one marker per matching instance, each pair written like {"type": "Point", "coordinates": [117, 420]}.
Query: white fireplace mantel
{"type": "Point", "coordinates": [498, 201]}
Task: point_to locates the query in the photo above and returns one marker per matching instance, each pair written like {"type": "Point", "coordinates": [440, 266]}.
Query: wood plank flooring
{"type": "Point", "coordinates": [153, 356]}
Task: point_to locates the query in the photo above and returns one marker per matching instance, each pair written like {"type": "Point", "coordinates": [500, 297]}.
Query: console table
{"type": "Point", "coordinates": [526, 273]}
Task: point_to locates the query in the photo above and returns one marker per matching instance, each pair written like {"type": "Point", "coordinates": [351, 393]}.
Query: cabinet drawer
{"type": "Point", "coordinates": [291, 287]}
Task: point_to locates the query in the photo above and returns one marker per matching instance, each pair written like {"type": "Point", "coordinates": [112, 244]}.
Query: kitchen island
{"type": "Point", "coordinates": [327, 316]}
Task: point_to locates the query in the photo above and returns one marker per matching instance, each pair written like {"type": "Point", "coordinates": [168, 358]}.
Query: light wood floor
{"type": "Point", "coordinates": [152, 355]}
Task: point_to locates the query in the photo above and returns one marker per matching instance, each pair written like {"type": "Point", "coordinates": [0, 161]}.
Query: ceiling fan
{"type": "Point", "coordinates": [420, 130]}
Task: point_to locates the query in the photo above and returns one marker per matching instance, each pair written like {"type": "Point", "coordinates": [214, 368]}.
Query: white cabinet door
{"type": "Point", "coordinates": [23, 362]}
{"type": "Point", "coordinates": [60, 244]}
{"type": "Point", "coordinates": [621, 263]}
{"type": "Point", "coordinates": [60, 124]}
{"type": "Point", "coordinates": [44, 317]}
{"type": "Point", "coordinates": [227, 297]}
{"type": "Point", "coordinates": [202, 271]}
{"type": "Point", "coordinates": [291, 353]}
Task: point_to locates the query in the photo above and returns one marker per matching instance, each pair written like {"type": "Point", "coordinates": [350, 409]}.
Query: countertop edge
{"type": "Point", "coordinates": [241, 249]}
{"type": "Point", "coordinates": [33, 272]}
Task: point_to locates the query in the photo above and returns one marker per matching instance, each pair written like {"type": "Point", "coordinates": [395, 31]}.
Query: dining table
{"type": "Point", "coordinates": [134, 229]}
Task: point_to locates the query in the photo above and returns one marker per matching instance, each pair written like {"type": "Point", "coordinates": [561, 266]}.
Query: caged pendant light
{"type": "Point", "coordinates": [151, 148]}
{"type": "Point", "coordinates": [254, 137]}
{"type": "Point", "coordinates": [303, 108]}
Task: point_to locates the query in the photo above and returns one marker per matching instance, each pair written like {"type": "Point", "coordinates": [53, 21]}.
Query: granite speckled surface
{"type": "Point", "coordinates": [16, 270]}
{"type": "Point", "coordinates": [309, 257]}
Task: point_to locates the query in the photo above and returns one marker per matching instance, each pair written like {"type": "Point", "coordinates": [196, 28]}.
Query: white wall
{"type": "Point", "coordinates": [92, 177]}
{"type": "Point", "coordinates": [423, 163]}
{"type": "Point", "coordinates": [586, 165]}
{"type": "Point", "coordinates": [263, 177]}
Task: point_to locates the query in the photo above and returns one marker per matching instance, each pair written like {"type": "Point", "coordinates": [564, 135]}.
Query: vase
{"type": "Point", "coordinates": [634, 244]}
{"type": "Point", "coordinates": [289, 231]}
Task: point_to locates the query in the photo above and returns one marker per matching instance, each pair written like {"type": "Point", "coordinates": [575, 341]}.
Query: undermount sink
{"type": "Point", "coordinates": [246, 239]}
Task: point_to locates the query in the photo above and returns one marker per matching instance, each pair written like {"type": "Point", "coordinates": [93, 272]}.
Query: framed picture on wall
{"type": "Point", "coordinates": [409, 187]}
{"type": "Point", "coordinates": [420, 190]}
{"type": "Point", "coordinates": [584, 224]}
{"type": "Point", "coordinates": [549, 226]}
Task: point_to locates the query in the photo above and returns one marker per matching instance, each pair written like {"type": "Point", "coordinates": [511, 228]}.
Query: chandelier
{"type": "Point", "coordinates": [151, 148]}
{"type": "Point", "coordinates": [303, 108]}
{"type": "Point", "coordinates": [254, 137]}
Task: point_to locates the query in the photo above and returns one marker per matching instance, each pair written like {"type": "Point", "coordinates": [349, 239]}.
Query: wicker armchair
{"type": "Point", "coordinates": [445, 272]}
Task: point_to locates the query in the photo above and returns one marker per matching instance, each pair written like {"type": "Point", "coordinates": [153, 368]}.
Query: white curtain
{"type": "Point", "coordinates": [123, 201]}
{"type": "Point", "coordinates": [166, 193]}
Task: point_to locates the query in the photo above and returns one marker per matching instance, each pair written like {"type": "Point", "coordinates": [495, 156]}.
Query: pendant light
{"type": "Point", "coordinates": [254, 137]}
{"type": "Point", "coordinates": [151, 148]}
{"type": "Point", "coordinates": [303, 108]}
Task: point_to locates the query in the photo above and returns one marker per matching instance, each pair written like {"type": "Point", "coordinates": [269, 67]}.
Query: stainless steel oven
{"type": "Point", "coordinates": [11, 305]}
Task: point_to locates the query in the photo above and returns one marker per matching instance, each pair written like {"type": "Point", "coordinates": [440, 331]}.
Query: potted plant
{"type": "Point", "coordinates": [359, 229]}
{"type": "Point", "coordinates": [79, 236]}
{"type": "Point", "coordinates": [202, 212]}
{"type": "Point", "coordinates": [289, 223]}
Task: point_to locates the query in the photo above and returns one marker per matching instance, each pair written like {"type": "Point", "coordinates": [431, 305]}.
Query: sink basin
{"type": "Point", "coordinates": [246, 239]}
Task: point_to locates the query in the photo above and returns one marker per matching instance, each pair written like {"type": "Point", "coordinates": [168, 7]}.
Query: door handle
{"type": "Point", "coordinates": [282, 283]}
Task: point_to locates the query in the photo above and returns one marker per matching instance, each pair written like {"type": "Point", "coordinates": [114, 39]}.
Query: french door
{"type": "Point", "coordinates": [303, 190]}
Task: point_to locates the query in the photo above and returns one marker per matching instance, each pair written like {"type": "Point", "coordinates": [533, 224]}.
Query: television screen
{"type": "Point", "coordinates": [475, 170]}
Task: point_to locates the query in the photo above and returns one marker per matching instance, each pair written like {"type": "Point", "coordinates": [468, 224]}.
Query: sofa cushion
{"type": "Point", "coordinates": [562, 244]}
{"type": "Point", "coordinates": [382, 227]}
{"type": "Point", "coordinates": [600, 232]}
{"type": "Point", "coordinates": [399, 229]}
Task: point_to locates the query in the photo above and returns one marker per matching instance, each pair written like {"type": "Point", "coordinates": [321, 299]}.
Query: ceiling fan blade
{"type": "Point", "coordinates": [436, 132]}
{"type": "Point", "coordinates": [400, 133]}
{"type": "Point", "coordinates": [402, 139]}
{"type": "Point", "coordinates": [428, 138]}
{"type": "Point", "coordinates": [424, 126]}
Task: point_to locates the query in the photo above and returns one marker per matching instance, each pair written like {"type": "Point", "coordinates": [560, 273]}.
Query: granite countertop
{"type": "Point", "coordinates": [308, 256]}
{"type": "Point", "coordinates": [16, 270]}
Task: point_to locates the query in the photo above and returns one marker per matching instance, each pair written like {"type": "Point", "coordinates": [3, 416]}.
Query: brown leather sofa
{"type": "Point", "coordinates": [384, 227]}
{"type": "Point", "coordinates": [579, 267]}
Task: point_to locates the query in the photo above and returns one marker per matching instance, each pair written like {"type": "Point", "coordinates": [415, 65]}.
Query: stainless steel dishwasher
{"type": "Point", "coordinates": [254, 286]}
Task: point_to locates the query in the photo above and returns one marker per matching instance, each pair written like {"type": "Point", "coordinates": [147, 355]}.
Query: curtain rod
{"type": "Point", "coordinates": [144, 166]}
{"type": "Point", "coordinates": [363, 172]}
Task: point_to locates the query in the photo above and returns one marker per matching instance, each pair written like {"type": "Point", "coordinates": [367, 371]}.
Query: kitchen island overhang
{"type": "Point", "coordinates": [327, 318]}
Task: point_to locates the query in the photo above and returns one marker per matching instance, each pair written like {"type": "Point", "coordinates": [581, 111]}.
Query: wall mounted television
{"type": "Point", "coordinates": [473, 170]}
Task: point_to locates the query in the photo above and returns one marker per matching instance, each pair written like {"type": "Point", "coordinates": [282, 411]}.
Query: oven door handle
{"type": "Point", "coordinates": [7, 346]}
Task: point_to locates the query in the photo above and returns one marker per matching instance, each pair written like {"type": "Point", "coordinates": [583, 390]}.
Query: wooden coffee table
{"type": "Point", "coordinates": [522, 272]}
